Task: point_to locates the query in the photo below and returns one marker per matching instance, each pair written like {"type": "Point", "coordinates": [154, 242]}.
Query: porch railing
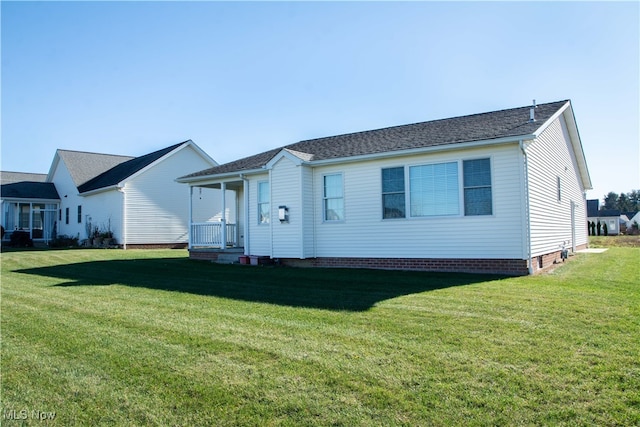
{"type": "Point", "coordinates": [210, 234]}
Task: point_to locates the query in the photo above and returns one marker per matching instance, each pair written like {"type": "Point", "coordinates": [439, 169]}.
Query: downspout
{"type": "Point", "coordinates": [525, 204]}
{"type": "Point", "coordinates": [124, 217]}
{"type": "Point", "coordinates": [190, 230]}
{"type": "Point", "coordinates": [245, 195]}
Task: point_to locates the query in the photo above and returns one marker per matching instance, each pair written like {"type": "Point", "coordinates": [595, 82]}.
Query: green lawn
{"type": "Point", "coordinates": [110, 337]}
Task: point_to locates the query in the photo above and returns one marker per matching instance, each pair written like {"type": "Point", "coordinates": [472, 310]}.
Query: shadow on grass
{"type": "Point", "coordinates": [331, 289]}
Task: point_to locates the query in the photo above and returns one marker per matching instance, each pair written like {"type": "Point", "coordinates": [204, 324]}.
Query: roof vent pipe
{"type": "Point", "coordinates": [532, 112]}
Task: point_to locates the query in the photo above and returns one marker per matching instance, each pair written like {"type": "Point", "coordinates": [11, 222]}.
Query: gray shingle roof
{"type": "Point", "coordinates": [85, 166]}
{"type": "Point", "coordinates": [124, 170]}
{"type": "Point", "coordinates": [476, 127]}
{"type": "Point", "coordinates": [29, 190]}
{"type": "Point", "coordinates": [12, 177]}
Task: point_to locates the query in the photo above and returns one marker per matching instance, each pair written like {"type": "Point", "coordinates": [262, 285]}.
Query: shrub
{"type": "Point", "coordinates": [21, 239]}
{"type": "Point", "coordinates": [63, 241]}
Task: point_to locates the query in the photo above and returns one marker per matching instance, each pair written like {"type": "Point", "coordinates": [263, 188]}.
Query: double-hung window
{"type": "Point", "coordinates": [333, 197]}
{"type": "Point", "coordinates": [264, 207]}
{"type": "Point", "coordinates": [79, 214]}
{"type": "Point", "coordinates": [393, 195]}
{"type": "Point", "coordinates": [477, 187]}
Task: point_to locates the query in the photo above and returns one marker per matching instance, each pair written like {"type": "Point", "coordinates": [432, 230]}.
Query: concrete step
{"type": "Point", "coordinates": [231, 258]}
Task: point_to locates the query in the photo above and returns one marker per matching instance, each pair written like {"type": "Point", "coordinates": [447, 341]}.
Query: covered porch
{"type": "Point", "coordinates": [216, 220]}
{"type": "Point", "coordinates": [35, 218]}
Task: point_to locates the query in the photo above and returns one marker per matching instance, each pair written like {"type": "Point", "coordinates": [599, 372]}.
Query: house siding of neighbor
{"type": "Point", "coordinates": [495, 192]}
{"type": "Point", "coordinates": [136, 198]}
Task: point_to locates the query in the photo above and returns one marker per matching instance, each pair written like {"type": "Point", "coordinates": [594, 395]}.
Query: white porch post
{"type": "Point", "coordinates": [31, 220]}
{"type": "Point", "coordinates": [189, 237]}
{"type": "Point", "coordinates": [223, 218]}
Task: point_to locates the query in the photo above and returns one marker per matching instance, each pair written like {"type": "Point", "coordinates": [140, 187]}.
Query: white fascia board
{"type": "Point", "coordinates": [28, 200]}
{"type": "Point", "coordinates": [151, 165]}
{"type": "Point", "coordinates": [201, 152]}
{"type": "Point", "coordinates": [551, 119]}
{"type": "Point", "coordinates": [101, 190]}
{"type": "Point", "coordinates": [284, 153]}
{"type": "Point", "coordinates": [217, 178]}
{"type": "Point", "coordinates": [54, 166]}
{"type": "Point", "coordinates": [424, 150]}
{"type": "Point", "coordinates": [576, 142]}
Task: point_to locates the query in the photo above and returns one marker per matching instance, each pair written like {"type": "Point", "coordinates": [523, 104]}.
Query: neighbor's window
{"type": "Point", "coordinates": [66, 212]}
{"type": "Point", "coordinates": [79, 214]}
{"type": "Point", "coordinates": [477, 187]}
{"type": "Point", "coordinates": [333, 198]}
{"type": "Point", "coordinates": [393, 196]}
{"type": "Point", "coordinates": [264, 207]}
{"type": "Point", "coordinates": [434, 189]}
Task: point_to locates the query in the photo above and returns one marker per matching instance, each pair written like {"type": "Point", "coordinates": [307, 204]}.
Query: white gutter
{"type": "Point", "coordinates": [423, 150]}
{"type": "Point", "coordinates": [101, 190]}
{"type": "Point", "coordinates": [526, 229]}
{"type": "Point", "coordinates": [217, 178]}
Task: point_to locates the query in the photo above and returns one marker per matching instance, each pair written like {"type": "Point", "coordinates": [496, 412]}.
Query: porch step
{"type": "Point", "coordinates": [226, 258]}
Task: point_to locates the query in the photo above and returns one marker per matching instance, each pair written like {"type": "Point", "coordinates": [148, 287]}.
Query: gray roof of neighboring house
{"type": "Point", "coordinates": [29, 190]}
{"type": "Point", "coordinates": [476, 127]}
{"type": "Point", "coordinates": [12, 177]}
{"type": "Point", "coordinates": [85, 166]}
{"type": "Point", "coordinates": [124, 169]}
{"type": "Point", "coordinates": [593, 206]}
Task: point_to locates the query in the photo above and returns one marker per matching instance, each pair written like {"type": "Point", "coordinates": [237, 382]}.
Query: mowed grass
{"type": "Point", "coordinates": [109, 337]}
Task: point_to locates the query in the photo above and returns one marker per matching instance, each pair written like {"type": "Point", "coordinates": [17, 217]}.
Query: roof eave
{"type": "Point", "coordinates": [101, 190]}
{"type": "Point", "coordinates": [220, 177]}
{"type": "Point", "coordinates": [423, 150]}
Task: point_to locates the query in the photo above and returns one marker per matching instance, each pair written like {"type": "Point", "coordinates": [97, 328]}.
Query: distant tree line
{"type": "Point", "coordinates": [626, 202]}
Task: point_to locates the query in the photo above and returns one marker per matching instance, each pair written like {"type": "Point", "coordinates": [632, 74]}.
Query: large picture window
{"type": "Point", "coordinates": [477, 187]}
{"type": "Point", "coordinates": [333, 198]}
{"type": "Point", "coordinates": [434, 190]}
{"type": "Point", "coordinates": [264, 207]}
{"type": "Point", "coordinates": [393, 195]}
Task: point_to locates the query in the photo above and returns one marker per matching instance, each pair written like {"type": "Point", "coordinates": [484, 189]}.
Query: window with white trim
{"type": "Point", "coordinates": [477, 187]}
{"type": "Point", "coordinates": [393, 194]}
{"type": "Point", "coordinates": [434, 190]}
{"type": "Point", "coordinates": [264, 206]}
{"type": "Point", "coordinates": [333, 197]}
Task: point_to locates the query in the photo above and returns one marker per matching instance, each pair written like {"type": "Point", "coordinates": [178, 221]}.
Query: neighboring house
{"type": "Point", "coordinates": [496, 192]}
{"type": "Point", "coordinates": [135, 198]}
{"type": "Point", "coordinates": [633, 219]}
{"type": "Point", "coordinates": [597, 218]}
{"type": "Point", "coordinates": [28, 203]}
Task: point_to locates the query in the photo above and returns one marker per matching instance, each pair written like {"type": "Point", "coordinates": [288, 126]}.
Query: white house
{"type": "Point", "coordinates": [500, 192]}
{"type": "Point", "coordinates": [135, 198]}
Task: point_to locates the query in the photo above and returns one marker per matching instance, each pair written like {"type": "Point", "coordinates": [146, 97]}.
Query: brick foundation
{"type": "Point", "coordinates": [156, 246]}
{"type": "Point", "coordinates": [512, 267]}
{"type": "Point", "coordinates": [506, 266]}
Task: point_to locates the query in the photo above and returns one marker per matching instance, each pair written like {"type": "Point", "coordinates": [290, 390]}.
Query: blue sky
{"type": "Point", "coordinates": [244, 77]}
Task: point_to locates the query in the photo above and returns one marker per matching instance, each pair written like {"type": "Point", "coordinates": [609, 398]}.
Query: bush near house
{"type": "Point", "coordinates": [20, 239]}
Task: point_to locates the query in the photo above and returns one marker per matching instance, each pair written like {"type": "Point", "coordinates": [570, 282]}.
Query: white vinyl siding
{"type": "Point", "coordinates": [157, 207]}
{"type": "Point", "coordinates": [260, 235]}
{"type": "Point", "coordinates": [286, 191]}
{"type": "Point", "coordinates": [365, 233]}
{"type": "Point", "coordinates": [551, 162]}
